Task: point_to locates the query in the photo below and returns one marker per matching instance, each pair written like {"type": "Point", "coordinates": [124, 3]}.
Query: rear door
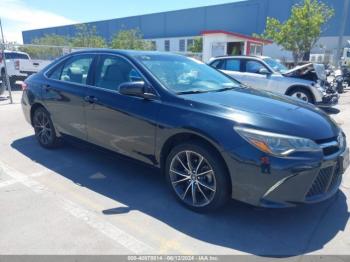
{"type": "Point", "coordinates": [64, 94]}
{"type": "Point", "coordinates": [124, 124]}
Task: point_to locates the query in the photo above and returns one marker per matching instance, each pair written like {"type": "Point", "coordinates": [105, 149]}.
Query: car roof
{"type": "Point", "coordinates": [123, 52]}
{"type": "Point", "coordinates": [240, 57]}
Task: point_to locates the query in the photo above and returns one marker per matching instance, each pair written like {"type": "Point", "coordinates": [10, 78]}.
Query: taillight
{"type": "Point", "coordinates": [17, 64]}
{"type": "Point", "coordinates": [24, 86]}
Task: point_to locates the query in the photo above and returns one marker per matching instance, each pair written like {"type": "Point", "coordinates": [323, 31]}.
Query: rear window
{"type": "Point", "coordinates": [16, 56]}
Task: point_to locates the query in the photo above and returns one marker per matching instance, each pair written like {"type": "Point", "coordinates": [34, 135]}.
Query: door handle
{"type": "Point", "coordinates": [90, 99]}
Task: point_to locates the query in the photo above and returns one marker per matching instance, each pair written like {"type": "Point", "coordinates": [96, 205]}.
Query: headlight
{"type": "Point", "coordinates": [341, 140]}
{"type": "Point", "coordinates": [277, 144]}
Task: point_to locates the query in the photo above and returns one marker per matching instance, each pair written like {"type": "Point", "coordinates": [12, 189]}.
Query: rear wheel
{"type": "Point", "coordinates": [44, 129]}
{"type": "Point", "coordinates": [302, 94]}
{"type": "Point", "coordinates": [197, 176]}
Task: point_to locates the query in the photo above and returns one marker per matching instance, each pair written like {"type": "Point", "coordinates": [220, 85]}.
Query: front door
{"type": "Point", "coordinates": [233, 67]}
{"type": "Point", "coordinates": [256, 75]}
{"type": "Point", "coordinates": [124, 124]}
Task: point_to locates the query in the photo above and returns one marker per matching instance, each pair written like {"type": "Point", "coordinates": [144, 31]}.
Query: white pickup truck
{"type": "Point", "coordinates": [19, 66]}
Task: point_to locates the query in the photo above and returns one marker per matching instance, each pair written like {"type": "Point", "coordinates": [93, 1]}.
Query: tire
{"type": "Point", "coordinates": [3, 83]}
{"type": "Point", "coordinates": [211, 189]}
{"type": "Point", "coordinates": [44, 129]}
{"type": "Point", "coordinates": [338, 82]}
{"type": "Point", "coordinates": [340, 88]}
{"type": "Point", "coordinates": [302, 94]}
{"type": "Point", "coordinates": [13, 83]}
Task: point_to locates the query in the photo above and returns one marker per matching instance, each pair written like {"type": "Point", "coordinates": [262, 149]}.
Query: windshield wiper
{"type": "Point", "coordinates": [191, 92]}
{"type": "Point", "coordinates": [225, 89]}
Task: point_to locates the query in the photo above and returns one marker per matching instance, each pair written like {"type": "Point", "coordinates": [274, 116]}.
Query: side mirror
{"type": "Point", "coordinates": [138, 89]}
{"type": "Point", "coordinates": [264, 71]}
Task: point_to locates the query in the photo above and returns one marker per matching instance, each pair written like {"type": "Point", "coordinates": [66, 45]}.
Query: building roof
{"type": "Point", "coordinates": [242, 36]}
{"type": "Point", "coordinates": [245, 17]}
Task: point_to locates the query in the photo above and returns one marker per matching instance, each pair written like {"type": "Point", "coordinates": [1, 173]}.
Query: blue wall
{"type": "Point", "coordinates": [245, 17]}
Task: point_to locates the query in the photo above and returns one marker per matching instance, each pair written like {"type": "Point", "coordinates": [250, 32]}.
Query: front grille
{"type": "Point", "coordinates": [325, 182]}
{"type": "Point", "coordinates": [336, 177]}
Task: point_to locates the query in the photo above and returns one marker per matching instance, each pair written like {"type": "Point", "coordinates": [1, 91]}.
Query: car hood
{"type": "Point", "coordinates": [319, 70]}
{"type": "Point", "coordinates": [267, 111]}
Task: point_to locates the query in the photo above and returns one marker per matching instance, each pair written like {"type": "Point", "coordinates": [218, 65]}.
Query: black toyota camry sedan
{"type": "Point", "coordinates": [212, 137]}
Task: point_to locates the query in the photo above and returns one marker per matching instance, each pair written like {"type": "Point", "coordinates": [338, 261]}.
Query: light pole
{"type": "Point", "coordinates": [4, 59]}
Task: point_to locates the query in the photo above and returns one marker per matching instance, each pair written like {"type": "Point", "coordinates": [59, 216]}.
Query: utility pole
{"type": "Point", "coordinates": [342, 29]}
{"type": "Point", "coordinates": [5, 66]}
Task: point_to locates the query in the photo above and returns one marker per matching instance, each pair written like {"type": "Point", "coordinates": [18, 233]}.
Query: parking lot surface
{"type": "Point", "coordinates": [77, 200]}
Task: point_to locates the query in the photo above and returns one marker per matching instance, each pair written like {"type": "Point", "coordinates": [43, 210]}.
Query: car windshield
{"type": "Point", "coordinates": [275, 65]}
{"type": "Point", "coordinates": [184, 75]}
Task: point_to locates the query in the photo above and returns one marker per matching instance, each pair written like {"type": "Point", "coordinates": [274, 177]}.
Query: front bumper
{"type": "Point", "coordinates": [287, 182]}
{"type": "Point", "coordinates": [329, 100]}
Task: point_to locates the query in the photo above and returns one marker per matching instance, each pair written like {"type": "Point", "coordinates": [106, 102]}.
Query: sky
{"type": "Point", "coordinates": [19, 15]}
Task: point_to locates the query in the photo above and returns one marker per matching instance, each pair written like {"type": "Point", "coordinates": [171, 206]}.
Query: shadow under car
{"type": "Point", "coordinates": [258, 231]}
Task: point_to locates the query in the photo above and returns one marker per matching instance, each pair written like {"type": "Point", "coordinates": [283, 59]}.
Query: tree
{"type": "Point", "coordinates": [130, 39]}
{"type": "Point", "coordinates": [301, 31]}
{"type": "Point", "coordinates": [47, 47]}
{"type": "Point", "coordinates": [197, 46]}
{"type": "Point", "coordinates": [52, 46]}
{"type": "Point", "coordinates": [86, 36]}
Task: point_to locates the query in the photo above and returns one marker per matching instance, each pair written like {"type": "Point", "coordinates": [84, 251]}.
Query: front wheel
{"type": "Point", "coordinates": [44, 129]}
{"type": "Point", "coordinates": [197, 176]}
{"type": "Point", "coordinates": [302, 94]}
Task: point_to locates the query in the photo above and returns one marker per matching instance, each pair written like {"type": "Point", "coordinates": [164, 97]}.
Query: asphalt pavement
{"type": "Point", "coordinates": [78, 200]}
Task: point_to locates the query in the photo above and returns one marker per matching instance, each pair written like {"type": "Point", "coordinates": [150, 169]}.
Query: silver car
{"type": "Point", "coordinates": [268, 74]}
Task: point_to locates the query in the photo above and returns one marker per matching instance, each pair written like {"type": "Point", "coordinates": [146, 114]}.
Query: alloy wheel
{"type": "Point", "coordinates": [301, 96]}
{"type": "Point", "coordinates": [193, 178]}
{"type": "Point", "coordinates": [43, 128]}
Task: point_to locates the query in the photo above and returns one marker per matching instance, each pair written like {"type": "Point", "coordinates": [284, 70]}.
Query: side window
{"type": "Point", "coordinates": [76, 69]}
{"type": "Point", "coordinates": [113, 71]}
{"type": "Point", "coordinates": [56, 72]}
{"type": "Point", "coordinates": [16, 56]}
{"type": "Point", "coordinates": [233, 65]}
{"type": "Point", "coordinates": [218, 64]}
{"type": "Point", "coordinates": [253, 66]}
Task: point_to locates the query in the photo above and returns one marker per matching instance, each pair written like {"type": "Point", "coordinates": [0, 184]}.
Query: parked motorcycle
{"type": "Point", "coordinates": [338, 82]}
{"type": "Point", "coordinates": [346, 75]}
{"type": "Point", "coordinates": [335, 79]}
